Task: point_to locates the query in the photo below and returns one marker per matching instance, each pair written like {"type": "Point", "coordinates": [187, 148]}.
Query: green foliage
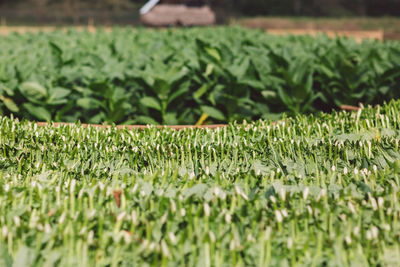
{"type": "Point", "coordinates": [175, 76]}
{"type": "Point", "coordinates": [312, 190]}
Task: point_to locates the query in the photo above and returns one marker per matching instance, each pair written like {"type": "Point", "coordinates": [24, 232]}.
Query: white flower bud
{"type": "Point", "coordinates": [91, 213]}
{"type": "Point", "coordinates": [217, 191]}
{"type": "Point", "coordinates": [134, 217]}
{"type": "Point", "coordinates": [17, 221]}
{"type": "Point", "coordinates": [173, 205]}
{"type": "Point", "coordinates": [207, 210]}
{"type": "Point", "coordinates": [373, 203]}
{"type": "Point", "coordinates": [306, 192]}
{"type": "Point", "coordinates": [83, 231]}
{"type": "Point", "coordinates": [284, 213]}
{"type": "Point", "coordinates": [368, 235]}
{"type": "Point", "coordinates": [351, 207]}
{"type": "Point", "coordinates": [47, 228]}
{"type": "Point", "coordinates": [386, 227]}
{"type": "Point", "coordinates": [380, 202]}
{"type": "Point", "coordinates": [72, 186]}
{"type": "Point", "coordinates": [228, 218]}
{"type": "Point", "coordinates": [121, 216]}
{"type": "Point", "coordinates": [90, 237]}
{"type": "Point", "coordinates": [164, 249]}
{"type": "Point", "coordinates": [309, 209]}
{"type": "Point", "coordinates": [250, 238]}
{"type": "Point", "coordinates": [62, 218]}
{"type": "Point", "coordinates": [345, 171]}
{"type": "Point", "coordinates": [374, 231]}
{"type": "Point", "coordinates": [232, 245]}
{"type": "Point", "coordinates": [356, 230]}
{"type": "Point", "coordinates": [289, 243]}
{"type": "Point", "coordinates": [134, 188]}
{"type": "Point", "coordinates": [127, 237]}
{"type": "Point", "coordinates": [240, 192]}
{"type": "Point", "coordinates": [389, 211]}
{"type": "Point", "coordinates": [282, 193]}
{"type": "Point", "coordinates": [278, 216]}
{"type": "Point", "coordinates": [4, 231]}
{"type": "Point", "coordinates": [172, 237]}
{"type": "Point", "coordinates": [183, 212]}
{"type": "Point", "coordinates": [40, 227]}
{"type": "Point", "coordinates": [321, 194]}
{"type": "Point", "coordinates": [268, 232]}
{"type": "Point", "coordinates": [212, 236]}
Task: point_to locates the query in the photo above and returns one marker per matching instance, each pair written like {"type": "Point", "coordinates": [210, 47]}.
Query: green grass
{"type": "Point", "coordinates": [315, 191]}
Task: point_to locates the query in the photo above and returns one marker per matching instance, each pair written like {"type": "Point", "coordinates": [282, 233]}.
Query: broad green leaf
{"type": "Point", "coordinates": [38, 112]}
{"type": "Point", "coordinates": [9, 103]}
{"type": "Point", "coordinates": [146, 120]}
{"type": "Point", "coordinates": [58, 96]}
{"type": "Point", "coordinates": [89, 103]}
{"type": "Point", "coordinates": [209, 69]}
{"type": "Point", "coordinates": [183, 88]}
{"type": "Point", "coordinates": [213, 52]}
{"type": "Point", "coordinates": [33, 90]}
{"type": "Point", "coordinates": [56, 53]}
{"type": "Point", "coordinates": [150, 102]}
{"type": "Point", "coordinates": [59, 92]}
{"type": "Point", "coordinates": [170, 118]}
{"type": "Point", "coordinates": [268, 94]}
{"type": "Point", "coordinates": [213, 112]}
{"type": "Point", "coordinates": [201, 91]}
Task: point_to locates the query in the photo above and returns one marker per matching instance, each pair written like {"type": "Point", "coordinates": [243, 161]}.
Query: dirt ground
{"type": "Point", "coordinates": [387, 27]}
{"type": "Point", "coordinates": [5, 30]}
{"type": "Point", "coordinates": [357, 35]}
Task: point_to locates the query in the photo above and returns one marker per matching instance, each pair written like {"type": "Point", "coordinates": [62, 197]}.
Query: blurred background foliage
{"type": "Point", "coordinates": [125, 11]}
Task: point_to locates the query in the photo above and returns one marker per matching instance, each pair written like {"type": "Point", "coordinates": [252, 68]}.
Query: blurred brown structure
{"type": "Point", "coordinates": [178, 13]}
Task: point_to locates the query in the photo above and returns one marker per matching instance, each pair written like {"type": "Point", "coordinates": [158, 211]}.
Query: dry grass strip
{"type": "Point", "coordinates": [130, 127]}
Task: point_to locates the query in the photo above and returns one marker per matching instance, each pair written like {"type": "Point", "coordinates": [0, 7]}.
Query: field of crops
{"type": "Point", "coordinates": [188, 76]}
{"type": "Point", "coordinates": [316, 190]}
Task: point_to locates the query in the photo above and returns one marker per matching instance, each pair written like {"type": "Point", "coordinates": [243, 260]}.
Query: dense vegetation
{"type": "Point", "coordinates": [45, 8]}
{"type": "Point", "coordinates": [312, 190]}
{"type": "Point", "coordinates": [183, 76]}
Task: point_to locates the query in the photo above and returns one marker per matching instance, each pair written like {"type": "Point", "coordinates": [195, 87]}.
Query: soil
{"type": "Point", "coordinates": [130, 127]}
{"type": "Point", "coordinates": [387, 28]}
{"type": "Point", "coordinates": [5, 30]}
{"type": "Point", "coordinates": [357, 35]}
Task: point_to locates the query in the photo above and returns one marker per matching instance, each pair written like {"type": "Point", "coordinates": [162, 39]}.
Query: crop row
{"type": "Point", "coordinates": [188, 76]}
{"type": "Point", "coordinates": [312, 190]}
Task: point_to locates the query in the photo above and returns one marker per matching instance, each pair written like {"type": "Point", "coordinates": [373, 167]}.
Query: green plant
{"type": "Point", "coordinates": [188, 76]}
{"type": "Point", "coordinates": [311, 190]}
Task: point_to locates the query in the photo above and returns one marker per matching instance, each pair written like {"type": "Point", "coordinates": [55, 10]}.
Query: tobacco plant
{"type": "Point", "coordinates": [188, 76]}
{"type": "Point", "coordinates": [308, 190]}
